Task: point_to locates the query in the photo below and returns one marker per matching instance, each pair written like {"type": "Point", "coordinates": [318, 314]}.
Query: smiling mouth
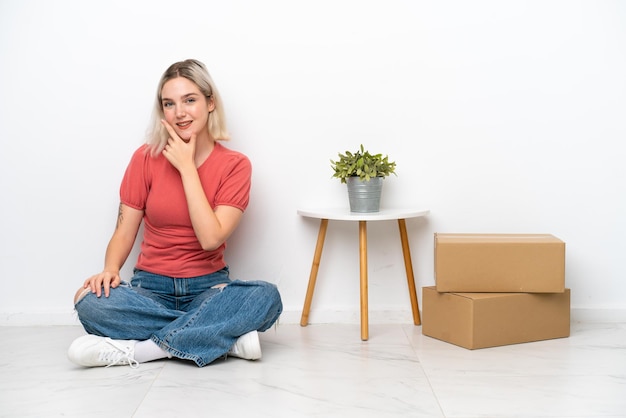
{"type": "Point", "coordinates": [183, 125]}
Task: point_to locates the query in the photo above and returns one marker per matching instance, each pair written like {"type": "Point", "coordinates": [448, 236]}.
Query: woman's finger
{"type": "Point", "coordinates": [169, 129]}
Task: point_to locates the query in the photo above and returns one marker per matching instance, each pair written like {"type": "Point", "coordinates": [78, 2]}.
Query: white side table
{"type": "Point", "coordinates": [399, 215]}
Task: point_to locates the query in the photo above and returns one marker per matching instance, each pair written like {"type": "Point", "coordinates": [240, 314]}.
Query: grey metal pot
{"type": "Point", "coordinates": [364, 196]}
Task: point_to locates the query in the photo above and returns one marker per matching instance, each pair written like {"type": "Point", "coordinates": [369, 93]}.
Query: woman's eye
{"type": "Point", "coordinates": [168, 104]}
{"type": "Point", "coordinates": [191, 100]}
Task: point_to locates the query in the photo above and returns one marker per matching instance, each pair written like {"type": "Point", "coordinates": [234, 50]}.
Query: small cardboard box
{"type": "Point", "coordinates": [480, 320]}
{"type": "Point", "coordinates": [527, 263]}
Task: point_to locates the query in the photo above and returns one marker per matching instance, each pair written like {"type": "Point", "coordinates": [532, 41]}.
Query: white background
{"type": "Point", "coordinates": [503, 117]}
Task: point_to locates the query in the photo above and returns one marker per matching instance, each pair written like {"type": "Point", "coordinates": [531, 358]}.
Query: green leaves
{"type": "Point", "coordinates": [362, 164]}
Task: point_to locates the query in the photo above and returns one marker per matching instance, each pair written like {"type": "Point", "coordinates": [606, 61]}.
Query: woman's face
{"type": "Point", "coordinates": [185, 108]}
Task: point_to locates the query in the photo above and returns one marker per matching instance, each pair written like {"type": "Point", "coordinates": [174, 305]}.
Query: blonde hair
{"type": "Point", "coordinates": [196, 72]}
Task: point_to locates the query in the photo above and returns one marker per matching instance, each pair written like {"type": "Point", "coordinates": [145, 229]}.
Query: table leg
{"type": "Point", "coordinates": [304, 320]}
{"type": "Point", "coordinates": [363, 269]}
{"type": "Point", "coordinates": [408, 265]}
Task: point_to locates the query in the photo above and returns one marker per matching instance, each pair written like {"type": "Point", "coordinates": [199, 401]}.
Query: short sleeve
{"type": "Point", "coordinates": [234, 188]}
{"type": "Point", "coordinates": [136, 181]}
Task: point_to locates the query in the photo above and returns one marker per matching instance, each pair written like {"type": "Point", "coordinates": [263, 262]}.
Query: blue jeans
{"type": "Point", "coordinates": [188, 318]}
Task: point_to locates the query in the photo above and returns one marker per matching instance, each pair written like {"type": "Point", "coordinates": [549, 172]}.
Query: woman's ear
{"type": "Point", "coordinates": [210, 105]}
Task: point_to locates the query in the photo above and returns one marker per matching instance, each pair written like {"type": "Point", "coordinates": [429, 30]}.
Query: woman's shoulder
{"type": "Point", "coordinates": [227, 154]}
{"type": "Point", "coordinates": [142, 156]}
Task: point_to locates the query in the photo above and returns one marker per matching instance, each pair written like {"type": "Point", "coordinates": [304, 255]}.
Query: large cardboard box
{"type": "Point", "coordinates": [480, 320]}
{"type": "Point", "coordinates": [528, 263]}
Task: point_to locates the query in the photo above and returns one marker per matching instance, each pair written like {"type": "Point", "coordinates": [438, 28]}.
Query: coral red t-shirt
{"type": "Point", "coordinates": [151, 184]}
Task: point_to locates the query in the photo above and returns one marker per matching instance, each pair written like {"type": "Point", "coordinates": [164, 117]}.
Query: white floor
{"type": "Point", "coordinates": [326, 371]}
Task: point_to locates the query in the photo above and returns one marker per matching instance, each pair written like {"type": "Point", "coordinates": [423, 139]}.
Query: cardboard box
{"type": "Point", "coordinates": [525, 263]}
{"type": "Point", "coordinates": [480, 320]}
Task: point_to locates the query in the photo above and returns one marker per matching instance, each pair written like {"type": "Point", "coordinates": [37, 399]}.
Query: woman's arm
{"type": "Point", "coordinates": [120, 245]}
{"type": "Point", "coordinates": [212, 227]}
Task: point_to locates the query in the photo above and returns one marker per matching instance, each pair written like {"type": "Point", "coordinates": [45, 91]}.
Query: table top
{"type": "Point", "coordinates": [344, 214]}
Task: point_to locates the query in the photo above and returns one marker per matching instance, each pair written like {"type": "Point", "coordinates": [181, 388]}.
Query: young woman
{"type": "Point", "coordinates": [190, 192]}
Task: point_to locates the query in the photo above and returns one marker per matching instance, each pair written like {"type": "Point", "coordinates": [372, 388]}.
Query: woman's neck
{"type": "Point", "coordinates": [204, 147]}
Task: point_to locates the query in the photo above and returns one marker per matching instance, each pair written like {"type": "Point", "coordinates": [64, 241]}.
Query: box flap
{"type": "Point", "coordinates": [453, 238]}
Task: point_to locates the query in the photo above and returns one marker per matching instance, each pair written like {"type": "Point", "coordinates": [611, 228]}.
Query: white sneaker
{"type": "Point", "coordinates": [247, 347]}
{"type": "Point", "coordinates": [94, 351]}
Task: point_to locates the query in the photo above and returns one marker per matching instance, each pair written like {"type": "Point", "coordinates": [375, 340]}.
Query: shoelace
{"type": "Point", "coordinates": [118, 354]}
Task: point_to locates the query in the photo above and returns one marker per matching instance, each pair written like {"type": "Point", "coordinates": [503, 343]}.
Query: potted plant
{"type": "Point", "coordinates": [363, 173]}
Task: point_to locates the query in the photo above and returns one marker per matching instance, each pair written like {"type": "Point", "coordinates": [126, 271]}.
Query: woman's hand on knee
{"type": "Point", "coordinates": [103, 281]}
